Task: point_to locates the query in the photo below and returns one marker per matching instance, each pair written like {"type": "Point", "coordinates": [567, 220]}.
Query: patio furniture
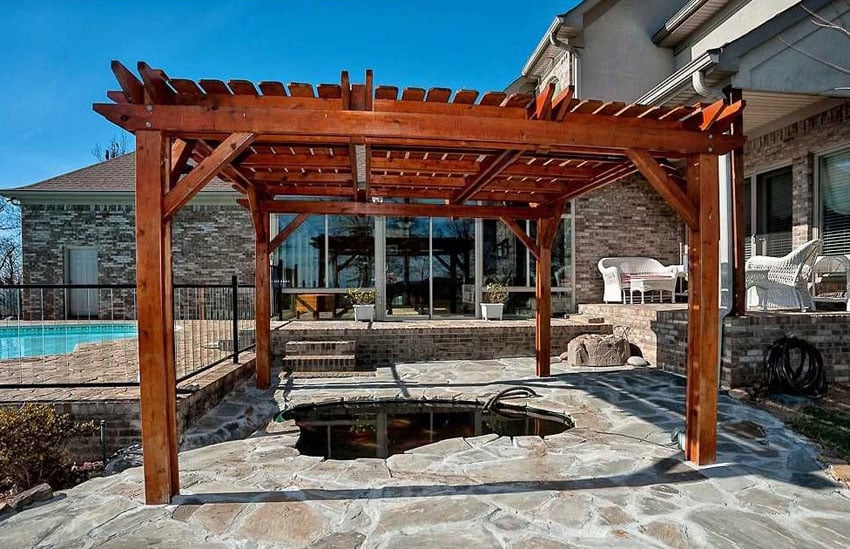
{"type": "Point", "coordinates": [831, 280]}
{"type": "Point", "coordinates": [636, 274]}
{"type": "Point", "coordinates": [782, 282]}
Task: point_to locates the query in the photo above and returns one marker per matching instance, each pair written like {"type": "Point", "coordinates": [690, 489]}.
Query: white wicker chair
{"type": "Point", "coordinates": [831, 280]}
{"type": "Point", "coordinates": [782, 282]}
{"type": "Point", "coordinates": [617, 273]}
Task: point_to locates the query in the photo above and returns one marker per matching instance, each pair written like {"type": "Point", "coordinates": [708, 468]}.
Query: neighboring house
{"type": "Point", "coordinates": [672, 52]}
{"type": "Point", "coordinates": [79, 228]}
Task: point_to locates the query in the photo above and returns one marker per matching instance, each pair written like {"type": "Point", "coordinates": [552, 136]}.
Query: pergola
{"type": "Point", "coordinates": [360, 149]}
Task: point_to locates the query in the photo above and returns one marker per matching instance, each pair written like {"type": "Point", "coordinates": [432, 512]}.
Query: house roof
{"type": "Point", "coordinates": [116, 175]}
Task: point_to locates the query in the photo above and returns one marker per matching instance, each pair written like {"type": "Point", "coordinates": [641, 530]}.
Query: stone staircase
{"type": "Point", "coordinates": [320, 356]}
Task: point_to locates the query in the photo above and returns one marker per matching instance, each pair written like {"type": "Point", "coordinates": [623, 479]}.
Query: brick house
{"type": "Point", "coordinates": [673, 52]}
{"type": "Point", "coordinates": [662, 52]}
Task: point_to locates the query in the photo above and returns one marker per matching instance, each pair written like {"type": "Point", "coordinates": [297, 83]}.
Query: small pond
{"type": "Point", "coordinates": [381, 428]}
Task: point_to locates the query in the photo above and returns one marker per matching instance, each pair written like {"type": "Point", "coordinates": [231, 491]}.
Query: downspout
{"type": "Point", "coordinates": [574, 58]}
{"type": "Point", "coordinates": [703, 89]}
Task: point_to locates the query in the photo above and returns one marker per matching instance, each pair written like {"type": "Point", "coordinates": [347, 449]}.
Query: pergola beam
{"type": "Point", "coordinates": [397, 209]}
{"type": "Point", "coordinates": [460, 131]}
{"type": "Point", "coordinates": [204, 172]}
{"type": "Point", "coordinates": [489, 171]}
{"type": "Point", "coordinates": [664, 185]}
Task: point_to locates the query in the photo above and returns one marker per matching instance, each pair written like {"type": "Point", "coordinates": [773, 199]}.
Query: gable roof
{"type": "Point", "coordinates": [114, 175]}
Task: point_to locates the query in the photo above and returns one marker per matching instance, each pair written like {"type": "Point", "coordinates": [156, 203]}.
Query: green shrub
{"type": "Point", "coordinates": [32, 446]}
{"type": "Point", "coordinates": [362, 296]}
{"type": "Point", "coordinates": [495, 293]}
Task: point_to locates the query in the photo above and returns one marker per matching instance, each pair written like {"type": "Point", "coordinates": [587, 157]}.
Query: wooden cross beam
{"type": "Point", "coordinates": [204, 172]}
{"type": "Point", "coordinates": [489, 171]}
{"type": "Point", "coordinates": [522, 236]}
{"type": "Point", "coordinates": [664, 185]}
{"type": "Point", "coordinates": [397, 209]}
{"type": "Point", "coordinates": [281, 237]}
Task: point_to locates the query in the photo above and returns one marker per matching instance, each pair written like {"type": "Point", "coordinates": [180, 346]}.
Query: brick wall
{"type": "Point", "coordinates": [796, 145]}
{"type": "Point", "coordinates": [627, 218]}
{"type": "Point", "coordinates": [210, 242]}
{"type": "Point", "coordinates": [418, 341]}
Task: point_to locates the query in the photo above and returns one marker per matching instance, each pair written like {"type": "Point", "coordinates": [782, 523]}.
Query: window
{"type": "Point", "coordinates": [834, 193]}
{"type": "Point", "coordinates": [769, 212]}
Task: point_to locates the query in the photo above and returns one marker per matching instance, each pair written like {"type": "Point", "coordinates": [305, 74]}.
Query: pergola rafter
{"type": "Point", "coordinates": [361, 149]}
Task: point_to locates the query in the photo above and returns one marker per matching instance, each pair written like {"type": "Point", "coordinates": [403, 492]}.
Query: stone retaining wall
{"type": "Point", "coordinates": [122, 420]}
{"type": "Point", "coordinates": [661, 332]}
{"type": "Point", "coordinates": [416, 341]}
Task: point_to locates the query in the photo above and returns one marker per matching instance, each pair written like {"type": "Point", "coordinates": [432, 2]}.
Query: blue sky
{"type": "Point", "coordinates": [54, 56]}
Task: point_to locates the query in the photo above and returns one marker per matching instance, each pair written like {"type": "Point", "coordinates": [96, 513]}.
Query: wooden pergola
{"type": "Point", "coordinates": [360, 149]}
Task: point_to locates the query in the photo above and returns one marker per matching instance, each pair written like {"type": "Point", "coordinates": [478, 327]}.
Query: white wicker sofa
{"type": "Point", "coordinates": [625, 275]}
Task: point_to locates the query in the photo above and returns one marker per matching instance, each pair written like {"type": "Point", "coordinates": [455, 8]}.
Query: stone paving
{"type": "Point", "coordinates": [196, 345]}
{"type": "Point", "coordinates": [613, 480]}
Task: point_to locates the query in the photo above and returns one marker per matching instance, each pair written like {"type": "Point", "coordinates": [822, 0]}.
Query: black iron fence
{"type": "Point", "coordinates": [64, 335]}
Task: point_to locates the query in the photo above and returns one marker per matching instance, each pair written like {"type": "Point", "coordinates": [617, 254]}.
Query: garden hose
{"type": "Point", "coordinates": [509, 392]}
{"type": "Point", "coordinates": [806, 377]}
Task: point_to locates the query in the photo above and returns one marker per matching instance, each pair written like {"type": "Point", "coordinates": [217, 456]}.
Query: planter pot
{"type": "Point", "coordinates": [365, 313]}
{"type": "Point", "coordinates": [492, 311]}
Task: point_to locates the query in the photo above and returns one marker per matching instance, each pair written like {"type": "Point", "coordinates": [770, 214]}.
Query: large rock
{"type": "Point", "coordinates": [42, 492]}
{"type": "Point", "coordinates": [598, 350]}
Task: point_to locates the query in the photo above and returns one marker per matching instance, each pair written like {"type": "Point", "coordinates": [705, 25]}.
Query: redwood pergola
{"type": "Point", "coordinates": [360, 149]}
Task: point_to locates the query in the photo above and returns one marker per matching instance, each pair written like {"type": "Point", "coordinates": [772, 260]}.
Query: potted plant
{"type": "Point", "coordinates": [495, 296]}
{"type": "Point", "coordinates": [363, 300]}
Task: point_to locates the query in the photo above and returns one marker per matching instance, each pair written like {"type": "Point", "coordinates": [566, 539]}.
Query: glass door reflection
{"type": "Point", "coordinates": [408, 267]}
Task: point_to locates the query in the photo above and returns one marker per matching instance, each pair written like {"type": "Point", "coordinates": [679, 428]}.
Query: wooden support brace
{"type": "Point", "coordinates": [155, 294]}
{"type": "Point", "coordinates": [703, 313]}
{"type": "Point", "coordinates": [488, 172]}
{"type": "Point", "coordinates": [281, 237]}
{"type": "Point", "coordinates": [664, 185]}
{"type": "Point", "coordinates": [204, 172]}
{"type": "Point", "coordinates": [522, 236]}
{"type": "Point", "coordinates": [181, 152]}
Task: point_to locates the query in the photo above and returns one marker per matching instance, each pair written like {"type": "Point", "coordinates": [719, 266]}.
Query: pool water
{"type": "Point", "coordinates": [381, 428]}
{"type": "Point", "coordinates": [50, 339]}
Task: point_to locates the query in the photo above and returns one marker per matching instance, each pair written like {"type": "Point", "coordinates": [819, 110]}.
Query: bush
{"type": "Point", "coordinates": [496, 293]}
{"type": "Point", "coordinates": [32, 446]}
{"type": "Point", "coordinates": [362, 296]}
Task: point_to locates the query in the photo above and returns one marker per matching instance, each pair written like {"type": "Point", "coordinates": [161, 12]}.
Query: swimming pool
{"type": "Point", "coordinates": [53, 339]}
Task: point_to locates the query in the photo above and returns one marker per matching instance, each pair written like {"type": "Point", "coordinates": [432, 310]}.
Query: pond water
{"type": "Point", "coordinates": [381, 428]}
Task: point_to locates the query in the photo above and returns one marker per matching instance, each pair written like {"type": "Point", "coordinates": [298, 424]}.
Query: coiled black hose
{"type": "Point", "coordinates": [804, 378]}
{"type": "Point", "coordinates": [506, 393]}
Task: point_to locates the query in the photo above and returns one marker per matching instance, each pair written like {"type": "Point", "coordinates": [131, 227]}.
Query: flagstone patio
{"type": "Point", "coordinates": [614, 479]}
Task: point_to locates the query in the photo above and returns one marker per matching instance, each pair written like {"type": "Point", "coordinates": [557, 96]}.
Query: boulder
{"type": "Point", "coordinates": [5, 510]}
{"type": "Point", "coordinates": [598, 350]}
{"type": "Point", "coordinates": [42, 492]}
{"type": "Point", "coordinates": [637, 361]}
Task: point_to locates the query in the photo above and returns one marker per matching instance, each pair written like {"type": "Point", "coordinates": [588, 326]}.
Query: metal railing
{"type": "Point", "coordinates": [63, 335]}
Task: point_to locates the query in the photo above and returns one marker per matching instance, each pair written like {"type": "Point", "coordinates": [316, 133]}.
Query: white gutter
{"type": "Point", "coordinates": [680, 78]}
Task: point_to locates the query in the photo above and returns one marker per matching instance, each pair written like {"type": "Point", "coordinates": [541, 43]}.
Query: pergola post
{"type": "Point", "coordinates": [155, 303]}
{"type": "Point", "coordinates": [262, 300]}
{"type": "Point", "coordinates": [546, 229]}
{"type": "Point", "coordinates": [703, 312]}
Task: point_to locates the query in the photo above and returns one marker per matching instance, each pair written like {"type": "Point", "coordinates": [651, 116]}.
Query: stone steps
{"type": "Point", "coordinates": [319, 348]}
{"type": "Point", "coordinates": [320, 356]}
